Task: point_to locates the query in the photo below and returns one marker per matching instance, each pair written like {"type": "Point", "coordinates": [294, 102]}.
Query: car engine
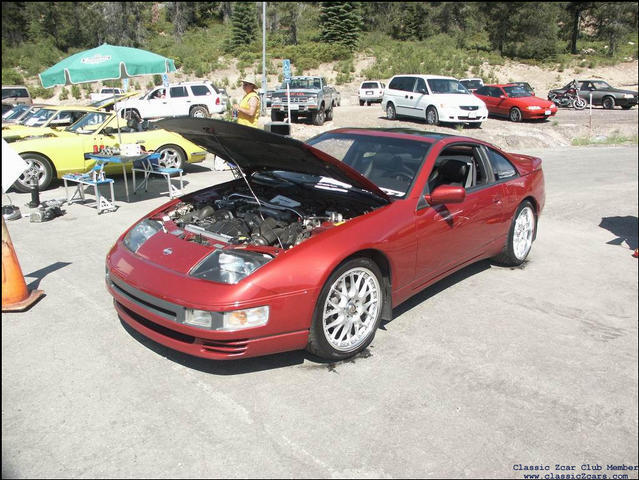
{"type": "Point", "coordinates": [239, 218]}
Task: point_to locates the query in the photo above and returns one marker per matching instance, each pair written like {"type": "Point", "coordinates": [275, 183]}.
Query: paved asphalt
{"type": "Point", "coordinates": [487, 370]}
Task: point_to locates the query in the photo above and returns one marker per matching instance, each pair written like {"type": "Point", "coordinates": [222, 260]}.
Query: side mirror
{"type": "Point", "coordinates": [446, 194]}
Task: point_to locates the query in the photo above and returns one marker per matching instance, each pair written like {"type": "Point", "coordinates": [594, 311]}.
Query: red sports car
{"type": "Point", "coordinates": [313, 244]}
{"type": "Point", "coordinates": [515, 102]}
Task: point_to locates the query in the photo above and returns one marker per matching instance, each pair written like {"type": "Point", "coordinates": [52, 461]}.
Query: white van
{"type": "Point", "coordinates": [434, 98]}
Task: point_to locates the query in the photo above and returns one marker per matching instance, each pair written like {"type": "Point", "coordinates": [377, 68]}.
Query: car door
{"type": "Point", "coordinates": [502, 105]}
{"type": "Point", "coordinates": [451, 235]}
{"type": "Point", "coordinates": [484, 94]}
{"type": "Point", "coordinates": [418, 101]}
{"type": "Point", "coordinates": [404, 96]}
{"type": "Point", "coordinates": [154, 105]}
{"type": "Point", "coordinates": [178, 103]}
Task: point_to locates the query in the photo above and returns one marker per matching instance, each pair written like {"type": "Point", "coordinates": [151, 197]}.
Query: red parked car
{"type": "Point", "coordinates": [515, 102]}
{"type": "Point", "coordinates": [313, 244]}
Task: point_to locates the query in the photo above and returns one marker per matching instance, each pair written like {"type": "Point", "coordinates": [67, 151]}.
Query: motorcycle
{"type": "Point", "coordinates": [570, 99]}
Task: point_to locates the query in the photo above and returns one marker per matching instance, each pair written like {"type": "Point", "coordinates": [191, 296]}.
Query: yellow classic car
{"type": "Point", "coordinates": [57, 116]}
{"type": "Point", "coordinates": [62, 151]}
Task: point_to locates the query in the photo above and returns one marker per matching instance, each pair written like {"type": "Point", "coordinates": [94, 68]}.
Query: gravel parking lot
{"type": "Point", "coordinates": [486, 370]}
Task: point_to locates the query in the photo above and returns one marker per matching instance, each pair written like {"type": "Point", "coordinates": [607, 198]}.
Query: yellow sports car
{"type": "Point", "coordinates": [62, 151]}
{"type": "Point", "coordinates": [42, 119]}
{"type": "Point", "coordinates": [50, 116]}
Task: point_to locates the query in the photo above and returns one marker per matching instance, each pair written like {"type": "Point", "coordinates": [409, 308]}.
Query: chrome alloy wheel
{"type": "Point", "coordinates": [34, 173]}
{"type": "Point", "coordinates": [523, 233]}
{"type": "Point", "coordinates": [351, 309]}
{"type": "Point", "coordinates": [170, 158]}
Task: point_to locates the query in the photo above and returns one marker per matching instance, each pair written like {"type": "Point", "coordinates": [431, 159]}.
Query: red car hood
{"type": "Point", "coordinates": [533, 101]}
{"type": "Point", "coordinates": [254, 149]}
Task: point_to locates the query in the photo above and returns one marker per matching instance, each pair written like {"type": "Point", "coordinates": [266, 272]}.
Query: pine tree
{"type": "Point", "coordinates": [340, 23]}
{"type": "Point", "coordinates": [244, 20]}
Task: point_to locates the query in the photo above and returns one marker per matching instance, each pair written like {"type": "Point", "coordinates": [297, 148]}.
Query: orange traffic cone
{"type": "Point", "coordinates": [15, 296]}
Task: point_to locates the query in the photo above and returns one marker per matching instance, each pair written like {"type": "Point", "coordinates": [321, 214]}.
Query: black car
{"type": "Point", "coordinates": [602, 94]}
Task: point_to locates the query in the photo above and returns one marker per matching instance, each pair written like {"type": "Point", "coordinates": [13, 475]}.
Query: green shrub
{"type": "Point", "coordinates": [149, 85]}
{"type": "Point", "coordinates": [157, 80]}
{"type": "Point", "coordinates": [64, 94]}
{"type": "Point", "coordinates": [75, 92]}
{"type": "Point", "coordinates": [11, 77]}
{"type": "Point", "coordinates": [40, 92]}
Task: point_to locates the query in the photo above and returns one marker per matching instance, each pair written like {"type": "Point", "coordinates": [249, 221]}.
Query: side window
{"type": "Point", "coordinates": [395, 83]}
{"type": "Point", "coordinates": [200, 90]}
{"type": "Point", "coordinates": [501, 166]}
{"type": "Point", "coordinates": [420, 86]}
{"type": "Point", "coordinates": [176, 92]}
{"type": "Point", "coordinates": [495, 92]}
{"type": "Point", "coordinates": [482, 91]}
{"type": "Point", "coordinates": [22, 93]}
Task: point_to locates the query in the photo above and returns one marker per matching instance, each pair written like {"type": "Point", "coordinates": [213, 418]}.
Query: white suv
{"type": "Point", "coordinates": [371, 91]}
{"type": "Point", "coordinates": [195, 99]}
{"type": "Point", "coordinates": [434, 98]}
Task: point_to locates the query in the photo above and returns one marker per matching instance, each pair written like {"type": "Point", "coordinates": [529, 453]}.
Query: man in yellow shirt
{"type": "Point", "coordinates": [248, 111]}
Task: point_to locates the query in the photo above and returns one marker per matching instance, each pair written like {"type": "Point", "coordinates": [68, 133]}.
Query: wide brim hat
{"type": "Point", "coordinates": [248, 80]}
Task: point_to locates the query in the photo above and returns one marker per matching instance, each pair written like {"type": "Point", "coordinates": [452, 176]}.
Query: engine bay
{"type": "Point", "coordinates": [261, 216]}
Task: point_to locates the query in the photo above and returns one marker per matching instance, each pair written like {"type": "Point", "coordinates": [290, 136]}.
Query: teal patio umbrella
{"type": "Point", "coordinates": [106, 62]}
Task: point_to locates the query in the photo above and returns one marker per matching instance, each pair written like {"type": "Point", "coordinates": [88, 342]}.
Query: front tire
{"type": "Point", "coordinates": [432, 117]}
{"type": "Point", "coordinates": [348, 311]}
{"type": "Point", "coordinates": [515, 115]}
{"type": "Point", "coordinates": [580, 103]}
{"type": "Point", "coordinates": [608, 103]}
{"type": "Point", "coordinates": [39, 169]}
{"type": "Point", "coordinates": [520, 236]}
{"type": "Point", "coordinates": [319, 117]}
{"type": "Point", "coordinates": [171, 156]}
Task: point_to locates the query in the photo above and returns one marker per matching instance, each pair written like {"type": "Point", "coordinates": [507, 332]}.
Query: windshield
{"type": "Point", "coordinates": [15, 112]}
{"type": "Point", "coordinates": [304, 83]}
{"type": "Point", "coordinates": [39, 118]}
{"type": "Point", "coordinates": [446, 85]}
{"type": "Point", "coordinates": [89, 123]}
{"type": "Point", "coordinates": [390, 163]}
{"type": "Point", "coordinates": [517, 91]}
{"type": "Point", "coordinates": [474, 84]}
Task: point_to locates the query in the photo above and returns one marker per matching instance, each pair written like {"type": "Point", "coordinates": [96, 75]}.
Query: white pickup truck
{"type": "Point", "coordinates": [105, 92]}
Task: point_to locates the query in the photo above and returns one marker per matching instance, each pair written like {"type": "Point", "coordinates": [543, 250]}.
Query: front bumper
{"type": "Point", "coordinates": [163, 321]}
{"type": "Point", "coordinates": [466, 116]}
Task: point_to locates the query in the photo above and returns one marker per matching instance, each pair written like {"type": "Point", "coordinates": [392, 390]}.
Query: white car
{"type": "Point", "coordinates": [371, 91]}
{"type": "Point", "coordinates": [194, 99]}
{"type": "Point", "coordinates": [105, 92]}
{"type": "Point", "coordinates": [433, 98]}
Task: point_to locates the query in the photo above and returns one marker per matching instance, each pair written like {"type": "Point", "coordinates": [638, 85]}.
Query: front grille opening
{"type": "Point", "coordinates": [155, 308]}
{"type": "Point", "coordinates": [167, 332]}
{"type": "Point", "coordinates": [228, 347]}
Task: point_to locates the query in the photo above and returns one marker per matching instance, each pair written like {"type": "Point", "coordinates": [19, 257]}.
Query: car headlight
{"type": "Point", "coordinates": [229, 266]}
{"type": "Point", "coordinates": [227, 321]}
{"type": "Point", "coordinates": [534, 107]}
{"type": "Point", "coordinates": [628, 95]}
{"type": "Point", "coordinates": [141, 233]}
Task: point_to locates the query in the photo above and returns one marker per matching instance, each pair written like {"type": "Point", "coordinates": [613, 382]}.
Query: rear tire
{"type": "Point", "coordinates": [361, 103]}
{"type": "Point", "coordinates": [329, 115]}
{"type": "Point", "coordinates": [199, 112]}
{"type": "Point", "coordinates": [520, 236]}
{"type": "Point", "coordinates": [348, 311]}
{"type": "Point", "coordinates": [39, 168]}
{"type": "Point", "coordinates": [608, 103]}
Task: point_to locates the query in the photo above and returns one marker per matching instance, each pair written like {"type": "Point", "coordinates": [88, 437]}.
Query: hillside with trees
{"type": "Point", "coordinates": [452, 38]}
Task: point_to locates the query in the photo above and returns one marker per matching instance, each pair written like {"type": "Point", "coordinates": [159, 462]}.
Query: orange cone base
{"type": "Point", "coordinates": [33, 297]}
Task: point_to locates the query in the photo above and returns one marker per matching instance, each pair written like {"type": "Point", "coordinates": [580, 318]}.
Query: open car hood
{"type": "Point", "coordinates": [254, 150]}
